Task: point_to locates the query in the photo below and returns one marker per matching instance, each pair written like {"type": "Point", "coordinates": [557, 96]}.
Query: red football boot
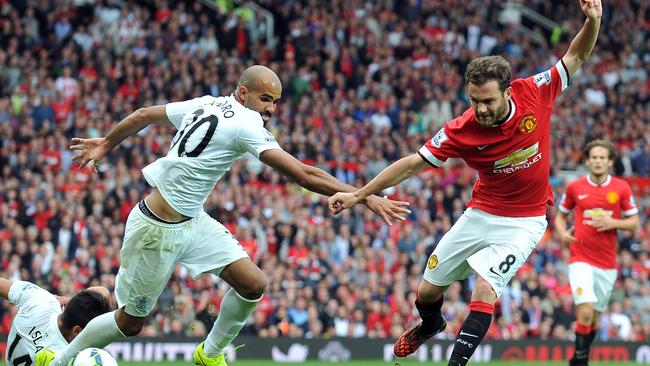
{"type": "Point", "coordinates": [413, 338]}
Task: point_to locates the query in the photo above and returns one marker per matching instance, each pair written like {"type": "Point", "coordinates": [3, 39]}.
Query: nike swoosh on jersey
{"type": "Point", "coordinates": [468, 334]}
{"type": "Point", "coordinates": [493, 271]}
{"type": "Point", "coordinates": [482, 147]}
{"type": "Point", "coordinates": [582, 196]}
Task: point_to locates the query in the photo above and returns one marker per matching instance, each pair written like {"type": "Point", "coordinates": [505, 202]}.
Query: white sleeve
{"type": "Point", "coordinates": [177, 110]}
{"type": "Point", "coordinates": [21, 291]}
{"type": "Point", "coordinates": [256, 139]}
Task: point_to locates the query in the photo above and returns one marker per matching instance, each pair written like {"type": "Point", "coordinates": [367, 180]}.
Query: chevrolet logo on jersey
{"type": "Point", "coordinates": [518, 160]}
{"type": "Point", "coordinates": [597, 212]}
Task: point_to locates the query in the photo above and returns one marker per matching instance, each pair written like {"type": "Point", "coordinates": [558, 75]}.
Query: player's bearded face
{"type": "Point", "coordinates": [490, 104]}
{"type": "Point", "coordinates": [263, 100]}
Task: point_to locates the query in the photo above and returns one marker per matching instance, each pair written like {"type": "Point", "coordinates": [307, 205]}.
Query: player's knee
{"type": "Point", "coordinates": [429, 293]}
{"type": "Point", "coordinates": [585, 313]}
{"type": "Point", "coordinates": [131, 329]}
{"type": "Point", "coordinates": [483, 291]}
{"type": "Point", "coordinates": [254, 289]}
{"type": "Point", "coordinates": [129, 326]}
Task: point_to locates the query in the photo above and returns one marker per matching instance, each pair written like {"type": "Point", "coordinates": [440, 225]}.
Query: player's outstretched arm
{"type": "Point", "coordinates": [584, 41]}
{"type": "Point", "coordinates": [392, 175]}
{"type": "Point", "coordinates": [96, 148]}
{"type": "Point", "coordinates": [317, 180]}
{"type": "Point", "coordinates": [5, 285]}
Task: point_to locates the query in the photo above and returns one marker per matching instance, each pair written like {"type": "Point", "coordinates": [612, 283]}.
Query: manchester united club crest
{"type": "Point", "coordinates": [528, 124]}
{"type": "Point", "coordinates": [579, 291]}
{"type": "Point", "coordinates": [433, 262]}
{"type": "Point", "coordinates": [612, 197]}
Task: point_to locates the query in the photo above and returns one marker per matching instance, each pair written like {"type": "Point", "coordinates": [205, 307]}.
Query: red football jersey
{"type": "Point", "coordinates": [512, 159]}
{"type": "Point", "coordinates": [612, 198]}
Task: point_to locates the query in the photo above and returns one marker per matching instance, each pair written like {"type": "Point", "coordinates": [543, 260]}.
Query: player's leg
{"type": "Point", "coordinates": [446, 264]}
{"type": "Point", "coordinates": [148, 256]}
{"type": "Point", "coordinates": [215, 250]}
{"type": "Point", "coordinates": [248, 285]}
{"type": "Point", "coordinates": [584, 320]}
{"type": "Point", "coordinates": [595, 325]}
{"type": "Point", "coordinates": [581, 279]}
{"type": "Point", "coordinates": [602, 285]}
{"type": "Point", "coordinates": [513, 239]}
{"type": "Point", "coordinates": [428, 304]}
{"type": "Point", "coordinates": [476, 324]}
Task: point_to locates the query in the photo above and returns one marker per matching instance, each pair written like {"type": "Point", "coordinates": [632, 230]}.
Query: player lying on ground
{"type": "Point", "coordinates": [169, 226]}
{"type": "Point", "coordinates": [603, 204]}
{"type": "Point", "coordinates": [504, 135]}
{"type": "Point", "coordinates": [44, 320]}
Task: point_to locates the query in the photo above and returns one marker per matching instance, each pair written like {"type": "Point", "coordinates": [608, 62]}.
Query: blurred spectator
{"type": "Point", "coordinates": [621, 324]}
{"type": "Point", "coordinates": [364, 83]}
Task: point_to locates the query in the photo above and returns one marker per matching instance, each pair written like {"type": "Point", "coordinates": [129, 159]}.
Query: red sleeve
{"type": "Point", "coordinates": [628, 205]}
{"type": "Point", "coordinates": [550, 83]}
{"type": "Point", "coordinates": [568, 202]}
{"type": "Point", "coordinates": [439, 148]}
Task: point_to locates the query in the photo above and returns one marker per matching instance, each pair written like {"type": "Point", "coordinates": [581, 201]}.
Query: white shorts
{"type": "Point", "coordinates": [591, 284]}
{"type": "Point", "coordinates": [494, 247]}
{"type": "Point", "coordinates": [151, 250]}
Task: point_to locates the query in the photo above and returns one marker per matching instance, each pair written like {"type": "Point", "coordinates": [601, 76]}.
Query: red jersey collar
{"type": "Point", "coordinates": [594, 184]}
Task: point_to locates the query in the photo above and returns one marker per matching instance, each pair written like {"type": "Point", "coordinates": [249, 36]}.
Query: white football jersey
{"type": "Point", "coordinates": [212, 133]}
{"type": "Point", "coordinates": [35, 325]}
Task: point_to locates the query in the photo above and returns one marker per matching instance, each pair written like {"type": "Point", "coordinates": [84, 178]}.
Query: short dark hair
{"type": "Point", "coordinates": [483, 69]}
{"type": "Point", "coordinates": [600, 143]}
{"type": "Point", "coordinates": [83, 307]}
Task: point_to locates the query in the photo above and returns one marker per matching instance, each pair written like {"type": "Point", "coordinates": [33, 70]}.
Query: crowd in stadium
{"type": "Point", "coordinates": [364, 84]}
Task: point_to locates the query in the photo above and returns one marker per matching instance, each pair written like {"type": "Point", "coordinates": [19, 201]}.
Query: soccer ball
{"type": "Point", "coordinates": [93, 357]}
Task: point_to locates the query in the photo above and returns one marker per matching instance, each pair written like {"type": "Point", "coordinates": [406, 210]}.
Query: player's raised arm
{"type": "Point", "coordinates": [584, 41]}
{"type": "Point", "coordinates": [392, 175]}
{"type": "Point", "coordinates": [5, 285]}
{"type": "Point", "coordinates": [96, 148]}
{"type": "Point", "coordinates": [317, 180]}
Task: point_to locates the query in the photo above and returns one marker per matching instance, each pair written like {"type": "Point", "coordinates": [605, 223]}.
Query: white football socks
{"type": "Point", "coordinates": [233, 314]}
{"type": "Point", "coordinates": [99, 332]}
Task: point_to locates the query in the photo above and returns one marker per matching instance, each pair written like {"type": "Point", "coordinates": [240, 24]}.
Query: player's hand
{"type": "Point", "coordinates": [593, 9]}
{"type": "Point", "coordinates": [567, 237]}
{"type": "Point", "coordinates": [388, 209]}
{"type": "Point", "coordinates": [603, 223]}
{"type": "Point", "coordinates": [341, 201]}
{"type": "Point", "coordinates": [89, 150]}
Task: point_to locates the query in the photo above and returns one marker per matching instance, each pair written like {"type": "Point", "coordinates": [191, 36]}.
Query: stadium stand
{"type": "Point", "coordinates": [364, 83]}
